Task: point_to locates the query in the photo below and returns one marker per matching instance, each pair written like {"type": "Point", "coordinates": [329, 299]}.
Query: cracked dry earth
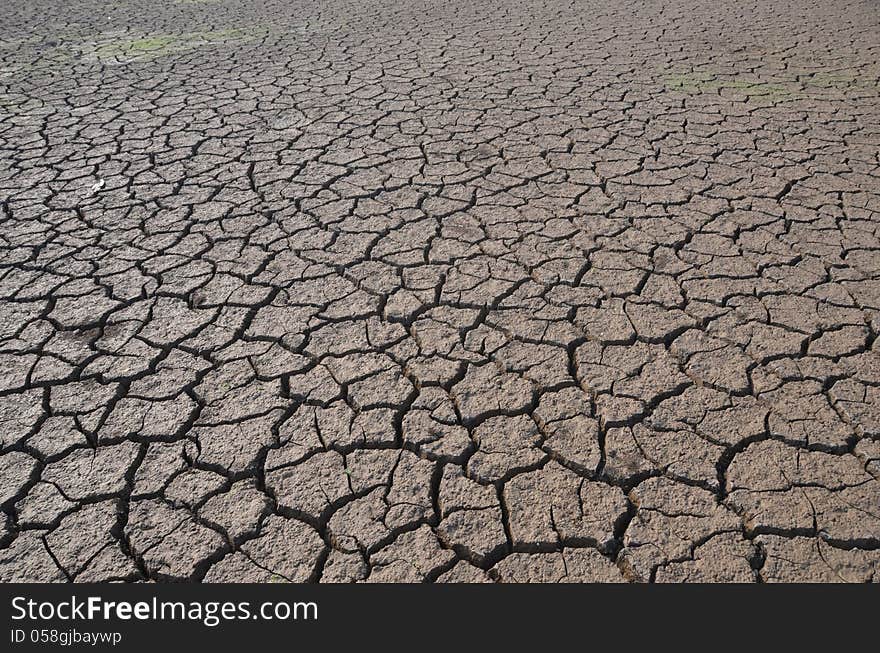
{"type": "Point", "coordinates": [431, 291]}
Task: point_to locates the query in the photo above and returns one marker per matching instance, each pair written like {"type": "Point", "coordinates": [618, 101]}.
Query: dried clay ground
{"type": "Point", "coordinates": [488, 291]}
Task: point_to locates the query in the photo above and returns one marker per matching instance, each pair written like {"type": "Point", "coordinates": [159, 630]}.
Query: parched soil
{"type": "Point", "coordinates": [486, 291]}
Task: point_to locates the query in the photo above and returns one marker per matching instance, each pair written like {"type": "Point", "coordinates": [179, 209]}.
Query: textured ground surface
{"type": "Point", "coordinates": [406, 291]}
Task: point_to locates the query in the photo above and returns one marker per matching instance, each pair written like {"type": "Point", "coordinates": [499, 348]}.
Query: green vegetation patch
{"type": "Point", "coordinates": [158, 45]}
{"type": "Point", "coordinates": [700, 82]}
{"type": "Point", "coordinates": [801, 87]}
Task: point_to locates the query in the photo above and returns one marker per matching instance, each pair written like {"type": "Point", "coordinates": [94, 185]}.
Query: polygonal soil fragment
{"type": "Point", "coordinates": [554, 506]}
{"type": "Point", "coordinates": [672, 520]}
{"type": "Point", "coordinates": [568, 566]}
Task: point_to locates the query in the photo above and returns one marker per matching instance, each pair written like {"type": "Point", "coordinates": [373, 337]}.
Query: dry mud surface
{"type": "Point", "coordinates": [439, 291]}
